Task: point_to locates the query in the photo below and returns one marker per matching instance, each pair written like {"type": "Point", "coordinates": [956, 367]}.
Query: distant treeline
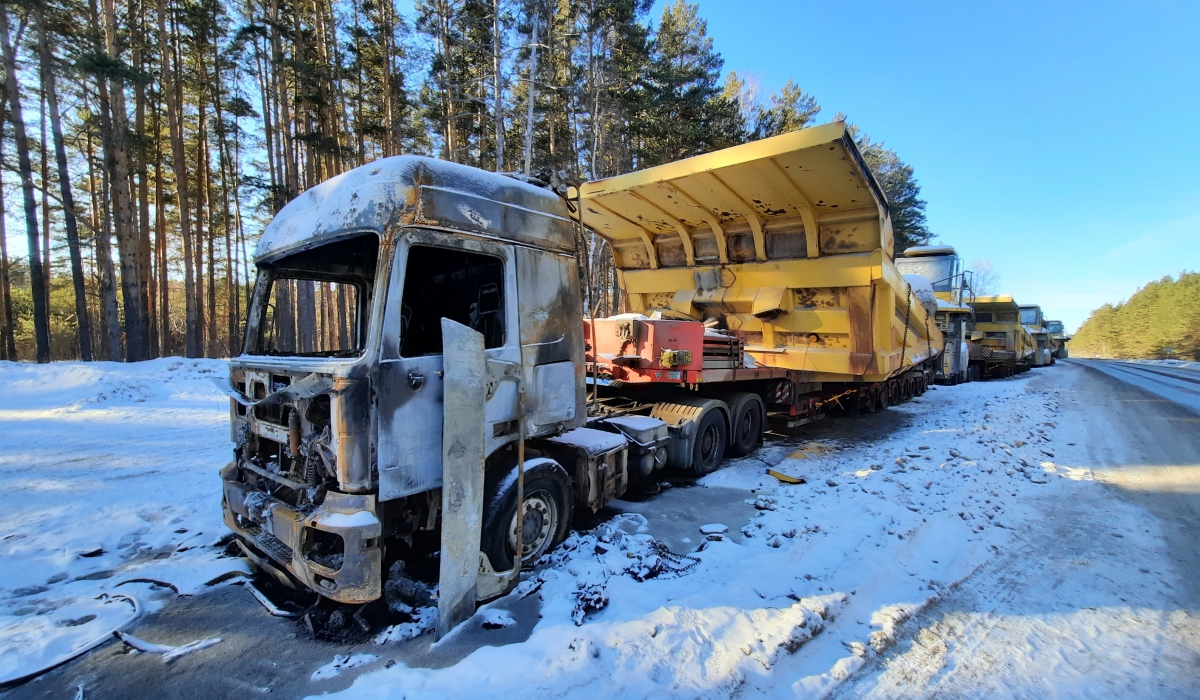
{"type": "Point", "coordinates": [1160, 321]}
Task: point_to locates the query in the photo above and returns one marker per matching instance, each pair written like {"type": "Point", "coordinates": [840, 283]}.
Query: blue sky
{"type": "Point", "coordinates": [1059, 140]}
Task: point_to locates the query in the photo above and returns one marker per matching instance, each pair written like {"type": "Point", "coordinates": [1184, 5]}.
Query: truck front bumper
{"type": "Point", "coordinates": [282, 539]}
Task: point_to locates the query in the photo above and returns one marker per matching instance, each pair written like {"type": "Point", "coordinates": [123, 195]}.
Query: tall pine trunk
{"type": "Point", "coordinates": [133, 276]}
{"type": "Point", "coordinates": [143, 199]}
{"type": "Point", "coordinates": [497, 85]}
{"type": "Point", "coordinates": [106, 291]}
{"type": "Point", "coordinates": [8, 344]}
{"type": "Point", "coordinates": [41, 310]}
{"type": "Point", "coordinates": [171, 92]}
{"type": "Point", "coordinates": [64, 182]}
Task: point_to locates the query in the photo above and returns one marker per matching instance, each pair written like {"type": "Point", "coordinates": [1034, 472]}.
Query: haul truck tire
{"type": "Point", "coordinates": [745, 423]}
{"type": "Point", "coordinates": [708, 450]}
{"type": "Point", "coordinates": [548, 505]}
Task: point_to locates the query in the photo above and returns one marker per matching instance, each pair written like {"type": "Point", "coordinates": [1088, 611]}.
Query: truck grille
{"type": "Point", "coordinates": [273, 545]}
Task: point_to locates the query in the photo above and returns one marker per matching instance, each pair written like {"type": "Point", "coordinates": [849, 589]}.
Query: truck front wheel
{"type": "Point", "coordinates": [547, 513]}
{"type": "Point", "coordinates": [709, 448]}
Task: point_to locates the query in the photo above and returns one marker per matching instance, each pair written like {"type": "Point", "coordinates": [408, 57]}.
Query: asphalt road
{"type": "Point", "coordinates": [1058, 613]}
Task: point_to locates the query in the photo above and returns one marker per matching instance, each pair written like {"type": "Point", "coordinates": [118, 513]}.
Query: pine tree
{"type": "Point", "coordinates": [686, 112]}
{"type": "Point", "coordinates": [790, 109]}
{"type": "Point", "coordinates": [897, 178]}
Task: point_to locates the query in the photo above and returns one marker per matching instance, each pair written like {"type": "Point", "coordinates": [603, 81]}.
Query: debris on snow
{"type": "Point", "coordinates": [169, 653]}
{"type": "Point", "coordinates": [423, 620]}
{"type": "Point", "coordinates": [340, 663]}
{"type": "Point", "coordinates": [497, 619]}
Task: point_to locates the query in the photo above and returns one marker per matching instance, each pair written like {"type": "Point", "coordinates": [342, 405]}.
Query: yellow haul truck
{"type": "Point", "coordinates": [1059, 338]}
{"type": "Point", "coordinates": [785, 242]}
{"type": "Point", "coordinates": [1002, 347]}
{"type": "Point", "coordinates": [411, 405]}
{"type": "Point", "coordinates": [1045, 345]}
{"type": "Point", "coordinates": [942, 268]}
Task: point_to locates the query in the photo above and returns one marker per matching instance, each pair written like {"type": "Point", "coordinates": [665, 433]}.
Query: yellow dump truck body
{"type": "Point", "coordinates": [997, 318]}
{"type": "Point", "coordinates": [788, 240]}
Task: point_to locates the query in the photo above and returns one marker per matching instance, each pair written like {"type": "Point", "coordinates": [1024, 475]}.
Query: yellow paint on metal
{"type": "Point", "coordinates": [787, 239]}
{"type": "Point", "coordinates": [786, 479]}
{"type": "Point", "coordinates": [1004, 331]}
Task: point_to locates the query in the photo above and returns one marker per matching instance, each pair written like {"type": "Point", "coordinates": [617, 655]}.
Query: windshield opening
{"type": "Point", "coordinates": [1029, 317]}
{"type": "Point", "coordinates": [317, 302]}
{"type": "Point", "coordinates": [939, 270]}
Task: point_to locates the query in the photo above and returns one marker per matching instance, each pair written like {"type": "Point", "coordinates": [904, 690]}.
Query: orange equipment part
{"type": "Point", "coordinates": [636, 349]}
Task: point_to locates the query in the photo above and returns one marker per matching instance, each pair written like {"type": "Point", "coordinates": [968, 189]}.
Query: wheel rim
{"type": "Point", "coordinates": [709, 443]}
{"type": "Point", "coordinates": [745, 428]}
{"type": "Point", "coordinates": [541, 520]}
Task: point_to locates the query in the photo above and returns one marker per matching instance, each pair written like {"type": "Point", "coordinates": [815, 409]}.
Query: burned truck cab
{"type": "Point", "coordinates": [340, 397]}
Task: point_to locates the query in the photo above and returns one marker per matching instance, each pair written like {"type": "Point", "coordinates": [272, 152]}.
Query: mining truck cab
{"type": "Point", "coordinates": [414, 322]}
{"type": "Point", "coordinates": [1035, 324]}
{"type": "Point", "coordinates": [942, 268]}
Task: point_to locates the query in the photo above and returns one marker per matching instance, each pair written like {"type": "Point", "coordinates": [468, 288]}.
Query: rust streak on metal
{"type": "Point", "coordinates": [751, 216]}
{"type": "Point", "coordinates": [713, 221]}
{"type": "Point", "coordinates": [642, 233]}
{"type": "Point", "coordinates": [685, 236]}
{"type": "Point", "coordinates": [812, 243]}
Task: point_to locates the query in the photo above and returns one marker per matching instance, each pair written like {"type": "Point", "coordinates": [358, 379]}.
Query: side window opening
{"type": "Point", "coordinates": [459, 285]}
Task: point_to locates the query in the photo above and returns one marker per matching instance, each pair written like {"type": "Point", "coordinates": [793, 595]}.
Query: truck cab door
{"type": "Point", "coordinates": [437, 276]}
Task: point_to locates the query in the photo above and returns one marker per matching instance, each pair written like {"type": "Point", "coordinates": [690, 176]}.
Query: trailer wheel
{"type": "Point", "coordinates": [745, 423]}
{"type": "Point", "coordinates": [708, 450]}
{"type": "Point", "coordinates": [547, 512]}
{"type": "Point", "coordinates": [869, 399]}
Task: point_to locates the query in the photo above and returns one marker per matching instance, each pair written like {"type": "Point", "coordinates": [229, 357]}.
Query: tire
{"type": "Point", "coordinates": [885, 398]}
{"type": "Point", "coordinates": [708, 447]}
{"type": "Point", "coordinates": [745, 423]}
{"type": "Point", "coordinates": [548, 506]}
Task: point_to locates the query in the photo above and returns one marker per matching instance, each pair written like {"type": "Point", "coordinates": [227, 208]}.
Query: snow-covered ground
{"type": "Point", "coordinates": [830, 570]}
{"type": "Point", "coordinates": [109, 480]}
{"type": "Point", "coordinates": [937, 560]}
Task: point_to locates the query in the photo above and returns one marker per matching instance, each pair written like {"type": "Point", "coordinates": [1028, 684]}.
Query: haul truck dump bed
{"type": "Point", "coordinates": [786, 242]}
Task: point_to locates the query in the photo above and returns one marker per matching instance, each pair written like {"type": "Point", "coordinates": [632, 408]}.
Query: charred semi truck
{"type": "Point", "coordinates": [413, 396]}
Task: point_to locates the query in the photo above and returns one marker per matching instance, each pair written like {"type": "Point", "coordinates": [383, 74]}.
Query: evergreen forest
{"type": "Point", "coordinates": [144, 144]}
{"type": "Point", "coordinates": [1160, 321]}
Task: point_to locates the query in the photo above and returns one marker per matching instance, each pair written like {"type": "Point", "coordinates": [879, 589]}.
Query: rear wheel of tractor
{"type": "Point", "coordinates": [708, 450]}
{"type": "Point", "coordinates": [547, 513]}
{"type": "Point", "coordinates": [745, 422]}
